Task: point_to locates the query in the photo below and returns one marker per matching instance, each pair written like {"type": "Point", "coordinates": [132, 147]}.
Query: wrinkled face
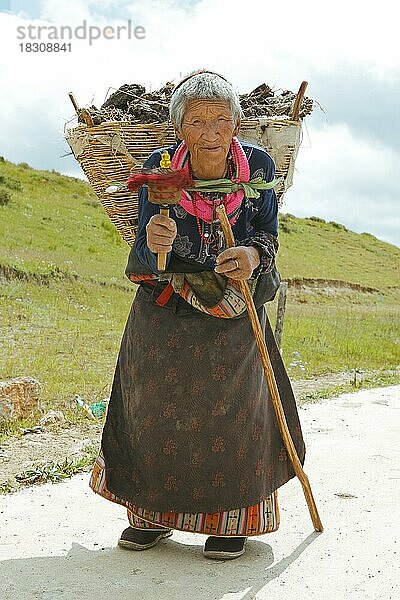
{"type": "Point", "coordinates": [208, 129]}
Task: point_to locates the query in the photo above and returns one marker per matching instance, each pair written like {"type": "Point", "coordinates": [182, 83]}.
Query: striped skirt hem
{"type": "Point", "coordinates": [257, 519]}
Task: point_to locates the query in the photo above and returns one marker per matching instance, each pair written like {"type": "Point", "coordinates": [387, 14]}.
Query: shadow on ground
{"type": "Point", "coordinates": [171, 570]}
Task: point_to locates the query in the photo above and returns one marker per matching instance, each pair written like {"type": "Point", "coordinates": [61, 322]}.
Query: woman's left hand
{"type": "Point", "coordinates": [238, 262]}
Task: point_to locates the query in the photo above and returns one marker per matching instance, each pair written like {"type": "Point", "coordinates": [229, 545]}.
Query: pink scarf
{"type": "Point", "coordinates": [180, 160]}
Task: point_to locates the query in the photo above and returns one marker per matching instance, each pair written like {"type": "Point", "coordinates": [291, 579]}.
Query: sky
{"type": "Point", "coordinates": [346, 51]}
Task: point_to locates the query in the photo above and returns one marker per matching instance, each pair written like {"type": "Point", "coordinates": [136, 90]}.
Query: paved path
{"type": "Point", "coordinates": [58, 542]}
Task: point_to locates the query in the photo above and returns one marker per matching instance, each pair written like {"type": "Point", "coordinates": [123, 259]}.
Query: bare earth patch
{"type": "Point", "coordinates": [55, 444]}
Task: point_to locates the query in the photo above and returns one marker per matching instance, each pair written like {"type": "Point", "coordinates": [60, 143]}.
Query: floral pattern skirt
{"type": "Point", "coordinates": [191, 439]}
{"type": "Point", "coordinates": [252, 520]}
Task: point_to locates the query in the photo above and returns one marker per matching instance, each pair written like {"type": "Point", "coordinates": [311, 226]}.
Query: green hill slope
{"type": "Point", "coordinates": [313, 248]}
{"type": "Point", "coordinates": [54, 223]}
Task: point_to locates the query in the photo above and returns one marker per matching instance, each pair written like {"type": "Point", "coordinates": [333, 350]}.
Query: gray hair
{"type": "Point", "coordinates": [202, 85]}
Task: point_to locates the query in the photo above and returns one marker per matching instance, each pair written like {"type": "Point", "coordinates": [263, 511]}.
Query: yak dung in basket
{"type": "Point", "coordinates": [111, 150]}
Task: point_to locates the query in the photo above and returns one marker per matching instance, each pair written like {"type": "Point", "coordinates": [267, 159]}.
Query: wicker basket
{"type": "Point", "coordinates": [110, 151]}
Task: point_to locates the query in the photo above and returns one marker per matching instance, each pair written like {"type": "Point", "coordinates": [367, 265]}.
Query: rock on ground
{"type": "Point", "coordinates": [19, 398]}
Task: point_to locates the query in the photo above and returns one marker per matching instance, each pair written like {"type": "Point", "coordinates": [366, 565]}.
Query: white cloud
{"type": "Point", "coordinates": [250, 43]}
{"type": "Point", "coordinates": [345, 179]}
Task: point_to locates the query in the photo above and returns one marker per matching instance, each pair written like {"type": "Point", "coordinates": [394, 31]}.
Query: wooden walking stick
{"type": "Point", "coordinates": [81, 112]}
{"type": "Point", "coordinates": [269, 374]}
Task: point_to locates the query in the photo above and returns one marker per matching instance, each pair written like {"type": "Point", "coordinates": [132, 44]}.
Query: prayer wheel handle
{"type": "Point", "coordinates": [162, 256]}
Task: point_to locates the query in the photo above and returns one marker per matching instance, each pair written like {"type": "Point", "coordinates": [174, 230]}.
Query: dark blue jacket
{"type": "Point", "coordinates": [256, 224]}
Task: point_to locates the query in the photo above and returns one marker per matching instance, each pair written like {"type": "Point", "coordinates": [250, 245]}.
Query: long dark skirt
{"type": "Point", "coordinates": [190, 425]}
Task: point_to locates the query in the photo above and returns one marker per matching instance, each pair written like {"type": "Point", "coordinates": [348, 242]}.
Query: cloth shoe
{"type": "Point", "coordinates": [223, 548]}
{"type": "Point", "coordinates": [140, 539]}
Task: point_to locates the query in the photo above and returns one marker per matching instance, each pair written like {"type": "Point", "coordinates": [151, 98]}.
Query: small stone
{"type": "Point", "coordinates": [54, 416]}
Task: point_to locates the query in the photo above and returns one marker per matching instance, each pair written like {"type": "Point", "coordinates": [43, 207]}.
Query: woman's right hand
{"type": "Point", "coordinates": [161, 232]}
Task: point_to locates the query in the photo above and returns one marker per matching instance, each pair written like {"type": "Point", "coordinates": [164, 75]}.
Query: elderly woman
{"type": "Point", "coordinates": [190, 440]}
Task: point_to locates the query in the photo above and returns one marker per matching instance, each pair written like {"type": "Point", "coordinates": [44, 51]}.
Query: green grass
{"type": "Point", "coordinates": [312, 248]}
{"type": "Point", "coordinates": [64, 297]}
{"type": "Point", "coordinates": [372, 380]}
{"type": "Point", "coordinates": [348, 331]}
{"type": "Point", "coordinates": [54, 225]}
{"type": "Point", "coordinates": [66, 335]}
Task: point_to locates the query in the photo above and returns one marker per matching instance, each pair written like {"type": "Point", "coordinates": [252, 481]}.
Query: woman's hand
{"type": "Point", "coordinates": [238, 262]}
{"type": "Point", "coordinates": [161, 232]}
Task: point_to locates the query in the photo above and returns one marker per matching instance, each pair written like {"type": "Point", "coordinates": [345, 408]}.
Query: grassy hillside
{"type": "Point", "coordinates": [64, 297]}
{"type": "Point", "coordinates": [314, 248]}
{"type": "Point", "coordinates": [54, 224]}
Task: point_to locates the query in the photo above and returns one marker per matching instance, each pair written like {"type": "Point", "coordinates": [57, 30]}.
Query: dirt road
{"type": "Point", "coordinates": [58, 542]}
